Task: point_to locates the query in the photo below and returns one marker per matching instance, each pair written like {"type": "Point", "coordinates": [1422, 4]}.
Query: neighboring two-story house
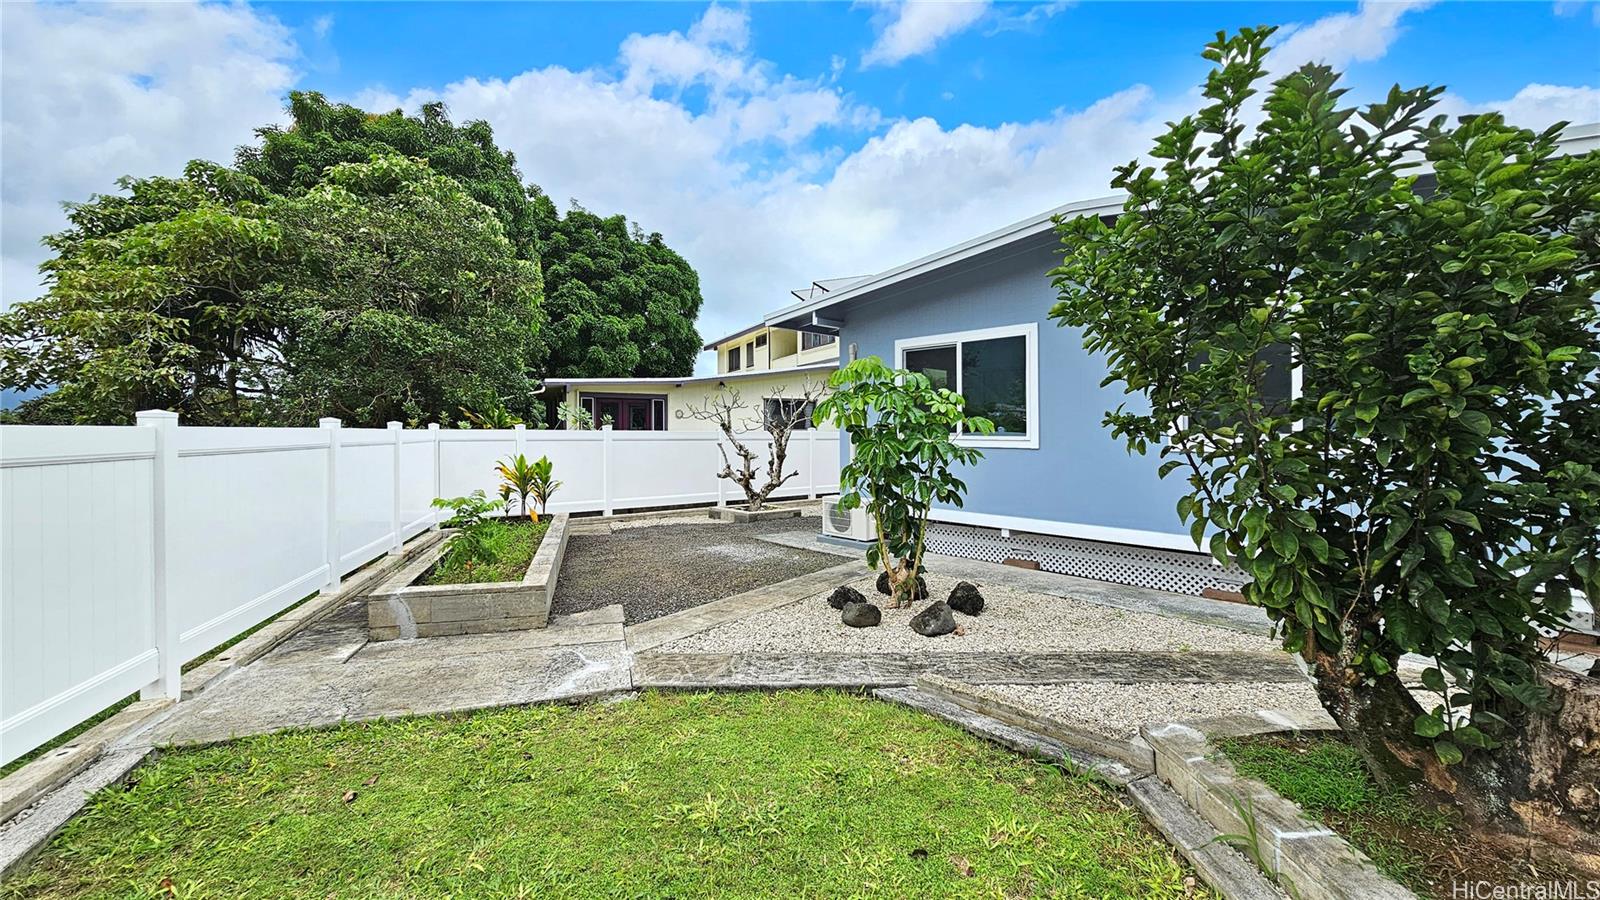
{"type": "Point", "coordinates": [765, 364]}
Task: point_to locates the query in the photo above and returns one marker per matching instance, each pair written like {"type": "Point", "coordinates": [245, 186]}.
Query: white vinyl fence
{"type": "Point", "coordinates": [126, 551]}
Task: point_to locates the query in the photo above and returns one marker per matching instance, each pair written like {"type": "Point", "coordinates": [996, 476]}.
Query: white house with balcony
{"type": "Point", "coordinates": [765, 364]}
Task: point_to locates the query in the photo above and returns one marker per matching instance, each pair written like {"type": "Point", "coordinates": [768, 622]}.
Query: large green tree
{"type": "Point", "coordinates": [385, 292]}
{"type": "Point", "coordinates": [151, 303]}
{"type": "Point", "coordinates": [1432, 488]}
{"type": "Point", "coordinates": [406, 300]}
{"type": "Point", "coordinates": [621, 303]}
{"type": "Point", "coordinates": [292, 159]}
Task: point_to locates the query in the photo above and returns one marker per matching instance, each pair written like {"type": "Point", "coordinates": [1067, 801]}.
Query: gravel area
{"type": "Point", "coordinates": [656, 568]}
{"type": "Point", "coordinates": [1117, 710]}
{"type": "Point", "coordinates": [1012, 620]}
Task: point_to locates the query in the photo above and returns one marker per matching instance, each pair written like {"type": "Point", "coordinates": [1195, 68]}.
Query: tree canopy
{"type": "Point", "coordinates": [621, 303]}
{"type": "Point", "coordinates": [367, 266]}
{"type": "Point", "coordinates": [1431, 487]}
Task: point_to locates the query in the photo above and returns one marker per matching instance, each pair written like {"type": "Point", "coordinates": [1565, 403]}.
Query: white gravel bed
{"type": "Point", "coordinates": [1012, 620]}
{"type": "Point", "coordinates": [1117, 710]}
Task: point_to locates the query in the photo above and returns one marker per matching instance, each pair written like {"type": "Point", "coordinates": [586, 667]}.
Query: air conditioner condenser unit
{"type": "Point", "coordinates": [850, 524]}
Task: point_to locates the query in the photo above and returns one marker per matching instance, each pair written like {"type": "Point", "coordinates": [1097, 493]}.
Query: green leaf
{"type": "Point", "coordinates": [1285, 544]}
{"type": "Point", "coordinates": [1448, 753]}
{"type": "Point", "coordinates": [1429, 725]}
{"type": "Point", "coordinates": [1441, 539]}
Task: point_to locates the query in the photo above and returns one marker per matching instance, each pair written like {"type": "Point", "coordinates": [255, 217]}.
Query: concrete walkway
{"type": "Point", "coordinates": [331, 673]}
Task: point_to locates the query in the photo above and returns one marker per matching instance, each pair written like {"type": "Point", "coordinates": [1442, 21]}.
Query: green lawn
{"type": "Point", "coordinates": [794, 794]}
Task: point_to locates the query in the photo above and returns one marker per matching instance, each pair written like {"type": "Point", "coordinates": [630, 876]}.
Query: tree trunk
{"type": "Point", "coordinates": [1542, 783]}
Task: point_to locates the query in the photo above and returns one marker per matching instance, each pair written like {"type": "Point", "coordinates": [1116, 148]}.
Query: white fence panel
{"type": "Point", "coordinates": [660, 468]}
{"type": "Point", "coordinates": [416, 482]}
{"type": "Point", "coordinates": [467, 459]}
{"type": "Point", "coordinates": [76, 576]}
{"type": "Point", "coordinates": [577, 461]}
{"type": "Point", "coordinates": [121, 541]}
{"type": "Point", "coordinates": [248, 526]}
{"type": "Point", "coordinates": [366, 495]}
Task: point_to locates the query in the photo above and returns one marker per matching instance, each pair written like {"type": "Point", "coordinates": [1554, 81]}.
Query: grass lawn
{"type": "Point", "coordinates": [502, 550]}
{"type": "Point", "coordinates": [1421, 847]}
{"type": "Point", "coordinates": [793, 794]}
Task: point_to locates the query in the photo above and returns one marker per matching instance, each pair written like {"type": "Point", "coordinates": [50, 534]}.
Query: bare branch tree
{"type": "Point", "coordinates": [778, 416]}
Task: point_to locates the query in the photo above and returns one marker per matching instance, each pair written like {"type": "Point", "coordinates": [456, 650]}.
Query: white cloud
{"type": "Point", "coordinates": [1342, 38]}
{"type": "Point", "coordinates": [97, 91]}
{"type": "Point", "coordinates": [1537, 106]}
{"type": "Point", "coordinates": [1572, 8]}
{"type": "Point", "coordinates": [763, 180]}
{"type": "Point", "coordinates": [914, 27]}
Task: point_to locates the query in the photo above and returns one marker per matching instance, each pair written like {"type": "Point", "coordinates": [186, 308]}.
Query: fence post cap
{"type": "Point", "coordinates": [519, 427]}
{"type": "Point", "coordinates": [155, 415]}
{"type": "Point", "coordinates": [605, 427]}
{"type": "Point", "coordinates": [396, 426]}
{"type": "Point", "coordinates": [329, 422]}
{"type": "Point", "coordinates": [433, 426]}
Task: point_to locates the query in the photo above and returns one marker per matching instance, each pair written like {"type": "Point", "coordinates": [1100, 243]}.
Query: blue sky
{"type": "Point", "coordinates": [771, 143]}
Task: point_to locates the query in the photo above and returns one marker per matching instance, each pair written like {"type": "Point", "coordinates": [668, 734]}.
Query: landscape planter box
{"type": "Point", "coordinates": [399, 609]}
{"type": "Point", "coordinates": [742, 516]}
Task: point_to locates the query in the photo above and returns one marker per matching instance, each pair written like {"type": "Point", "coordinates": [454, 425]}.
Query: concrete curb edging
{"type": "Point", "coordinates": [744, 516]}
{"type": "Point", "coordinates": [22, 837]}
{"type": "Point", "coordinates": [1307, 858]}
{"type": "Point", "coordinates": [1135, 753]}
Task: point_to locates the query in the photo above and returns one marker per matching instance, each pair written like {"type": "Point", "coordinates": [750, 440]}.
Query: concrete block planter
{"type": "Point", "coordinates": [1309, 860]}
{"type": "Point", "coordinates": [744, 516]}
{"type": "Point", "coordinates": [400, 609]}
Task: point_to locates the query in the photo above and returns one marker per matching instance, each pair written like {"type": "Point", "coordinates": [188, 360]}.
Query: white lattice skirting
{"type": "Point", "coordinates": [1166, 570]}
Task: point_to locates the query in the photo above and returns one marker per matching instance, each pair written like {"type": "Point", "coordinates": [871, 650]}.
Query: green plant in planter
{"type": "Point", "coordinates": [520, 477]}
{"type": "Point", "coordinates": [902, 430]}
{"type": "Point", "coordinates": [470, 516]}
{"type": "Point", "coordinates": [542, 487]}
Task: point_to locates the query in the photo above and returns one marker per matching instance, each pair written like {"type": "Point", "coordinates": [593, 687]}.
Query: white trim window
{"type": "Point", "coordinates": [995, 369]}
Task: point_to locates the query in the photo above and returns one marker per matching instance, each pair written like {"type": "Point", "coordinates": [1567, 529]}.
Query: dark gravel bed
{"type": "Point", "coordinates": [663, 569]}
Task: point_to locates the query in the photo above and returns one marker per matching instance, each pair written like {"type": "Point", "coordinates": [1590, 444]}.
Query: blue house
{"type": "Point", "coordinates": [1054, 487]}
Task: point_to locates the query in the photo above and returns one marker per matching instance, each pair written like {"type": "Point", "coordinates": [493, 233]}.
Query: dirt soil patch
{"type": "Point", "coordinates": [662, 569]}
{"type": "Point", "coordinates": [1427, 850]}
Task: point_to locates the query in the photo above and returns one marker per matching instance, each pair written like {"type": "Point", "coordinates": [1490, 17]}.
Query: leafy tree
{"type": "Point", "coordinates": [293, 160]}
{"type": "Point", "coordinates": [406, 301]}
{"type": "Point", "coordinates": [151, 302]}
{"type": "Point", "coordinates": [620, 303]}
{"type": "Point", "coordinates": [384, 293]}
{"type": "Point", "coordinates": [1432, 488]}
{"type": "Point", "coordinates": [900, 429]}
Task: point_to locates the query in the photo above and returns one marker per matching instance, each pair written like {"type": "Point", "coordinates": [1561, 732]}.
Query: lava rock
{"type": "Point", "coordinates": [843, 595]}
{"type": "Point", "coordinates": [883, 583]}
{"type": "Point", "coordinates": [861, 615]}
{"type": "Point", "coordinates": [934, 621]}
{"type": "Point", "coordinates": [965, 599]}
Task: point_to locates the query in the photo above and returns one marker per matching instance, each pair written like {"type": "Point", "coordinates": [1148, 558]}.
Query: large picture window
{"type": "Point", "coordinates": [995, 369]}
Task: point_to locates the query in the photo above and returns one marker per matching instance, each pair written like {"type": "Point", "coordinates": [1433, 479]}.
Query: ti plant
{"type": "Point", "coordinates": [522, 478]}
{"type": "Point", "coordinates": [491, 417]}
{"type": "Point", "coordinates": [903, 433]}
{"type": "Point", "coordinates": [542, 487]}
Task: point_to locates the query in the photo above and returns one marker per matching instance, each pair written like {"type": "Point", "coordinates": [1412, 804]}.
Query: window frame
{"type": "Point", "coordinates": [734, 360]}
{"type": "Point", "coordinates": [1029, 332]}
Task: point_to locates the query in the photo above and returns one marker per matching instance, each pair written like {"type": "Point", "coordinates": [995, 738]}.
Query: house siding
{"type": "Point", "coordinates": [1079, 475]}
